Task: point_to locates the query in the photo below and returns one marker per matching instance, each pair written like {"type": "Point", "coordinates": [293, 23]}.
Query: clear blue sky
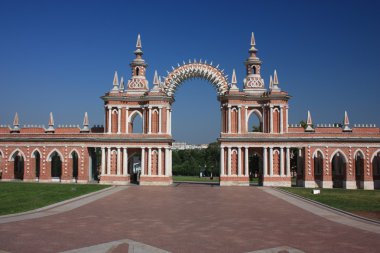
{"type": "Point", "coordinates": [60, 56]}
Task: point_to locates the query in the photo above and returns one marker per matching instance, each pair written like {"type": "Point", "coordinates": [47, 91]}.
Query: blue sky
{"type": "Point", "coordinates": [60, 56]}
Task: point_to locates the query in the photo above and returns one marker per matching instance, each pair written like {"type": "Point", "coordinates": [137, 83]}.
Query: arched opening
{"type": "Point", "coordinates": [18, 165]}
{"type": "Point", "coordinates": [318, 168]}
{"type": "Point", "coordinates": [338, 165]}
{"type": "Point", "coordinates": [234, 162]}
{"type": "Point", "coordinates": [376, 170]}
{"type": "Point", "coordinates": [134, 165]}
{"type": "Point", "coordinates": [255, 167]}
{"type": "Point", "coordinates": [137, 71]}
{"type": "Point", "coordinates": [254, 70]}
{"type": "Point", "coordinates": [276, 121]}
{"type": "Point", "coordinates": [37, 162]}
{"type": "Point", "coordinates": [234, 120]}
{"type": "Point", "coordinates": [74, 164]}
{"type": "Point", "coordinates": [155, 123]}
{"type": "Point", "coordinates": [1, 162]}
{"type": "Point", "coordinates": [255, 121]}
{"type": "Point", "coordinates": [115, 121]}
{"type": "Point", "coordinates": [359, 170]}
{"type": "Point", "coordinates": [56, 165]}
{"type": "Point", "coordinates": [136, 123]}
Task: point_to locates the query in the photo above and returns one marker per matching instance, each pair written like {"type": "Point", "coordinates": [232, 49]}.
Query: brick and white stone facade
{"type": "Point", "coordinates": [319, 156]}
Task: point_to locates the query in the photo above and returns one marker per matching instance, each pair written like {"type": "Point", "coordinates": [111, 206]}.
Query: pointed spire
{"type": "Point", "coordinates": [156, 82]}
{"type": "Point", "coordinates": [115, 83]}
{"type": "Point", "coordinates": [138, 42]}
{"type": "Point", "coordinates": [121, 86]}
{"type": "Point", "coordinates": [85, 123]}
{"type": "Point", "coordinates": [270, 82]}
{"type": "Point", "coordinates": [275, 78]}
{"type": "Point", "coordinates": [309, 123]}
{"type": "Point", "coordinates": [50, 129]}
{"type": "Point", "coordinates": [346, 124]}
{"type": "Point", "coordinates": [234, 81]}
{"type": "Point", "coordinates": [253, 43]}
{"type": "Point", "coordinates": [16, 121]}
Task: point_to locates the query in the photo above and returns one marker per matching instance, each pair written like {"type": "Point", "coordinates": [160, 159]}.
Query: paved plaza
{"type": "Point", "coordinates": [187, 218]}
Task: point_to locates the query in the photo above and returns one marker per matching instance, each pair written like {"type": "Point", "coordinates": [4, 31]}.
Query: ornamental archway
{"type": "Point", "coordinates": [195, 70]}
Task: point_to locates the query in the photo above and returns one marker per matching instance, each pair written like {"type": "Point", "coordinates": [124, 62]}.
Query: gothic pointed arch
{"type": "Point", "coordinates": [359, 167]}
{"type": "Point", "coordinates": [317, 151]}
{"type": "Point", "coordinates": [252, 125]}
{"type": "Point", "coordinates": [338, 162]}
{"type": "Point", "coordinates": [15, 153]}
{"type": "Point", "coordinates": [132, 120]}
{"type": "Point", "coordinates": [359, 152]}
{"type": "Point", "coordinates": [51, 153]}
{"type": "Point", "coordinates": [74, 156]}
{"type": "Point", "coordinates": [340, 152]}
{"type": "Point", "coordinates": [1, 153]}
{"type": "Point", "coordinates": [35, 152]}
{"type": "Point", "coordinates": [195, 70]}
{"type": "Point", "coordinates": [36, 155]}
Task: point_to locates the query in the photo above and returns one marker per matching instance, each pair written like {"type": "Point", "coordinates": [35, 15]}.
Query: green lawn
{"type": "Point", "coordinates": [20, 197]}
{"type": "Point", "coordinates": [194, 179]}
{"type": "Point", "coordinates": [347, 200]}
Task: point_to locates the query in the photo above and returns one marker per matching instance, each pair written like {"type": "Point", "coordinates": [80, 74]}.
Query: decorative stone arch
{"type": "Point", "coordinates": [11, 156]}
{"type": "Point", "coordinates": [48, 157]}
{"type": "Point", "coordinates": [72, 151]}
{"type": "Point", "coordinates": [1, 153]}
{"type": "Point", "coordinates": [131, 119]}
{"type": "Point", "coordinates": [259, 116]}
{"type": "Point", "coordinates": [32, 155]}
{"type": "Point", "coordinates": [196, 70]}
{"type": "Point", "coordinates": [133, 115]}
{"type": "Point", "coordinates": [338, 151]}
{"type": "Point", "coordinates": [374, 154]}
{"type": "Point", "coordinates": [359, 151]}
{"type": "Point", "coordinates": [316, 152]}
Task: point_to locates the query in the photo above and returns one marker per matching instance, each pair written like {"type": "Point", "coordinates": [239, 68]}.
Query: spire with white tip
{"type": "Point", "coordinates": [115, 83]}
{"type": "Point", "coordinates": [16, 124]}
{"type": "Point", "coordinates": [85, 123]}
{"type": "Point", "coordinates": [275, 82]}
{"type": "Point", "coordinates": [51, 123]}
{"type": "Point", "coordinates": [138, 42]}
{"type": "Point", "coordinates": [156, 82]}
{"type": "Point", "coordinates": [234, 81]}
{"type": "Point", "coordinates": [121, 86]}
{"type": "Point", "coordinates": [309, 123]}
{"type": "Point", "coordinates": [270, 82]}
{"type": "Point", "coordinates": [346, 123]}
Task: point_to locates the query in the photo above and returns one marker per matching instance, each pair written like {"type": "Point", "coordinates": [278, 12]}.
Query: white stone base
{"type": "Point", "coordinates": [112, 182]}
{"type": "Point", "coordinates": [233, 183]}
{"type": "Point", "coordinates": [310, 184]}
{"type": "Point", "coordinates": [327, 184]}
{"type": "Point", "coordinates": [156, 183]}
{"type": "Point", "coordinates": [81, 181]}
{"type": "Point", "coordinates": [278, 183]}
{"type": "Point", "coordinates": [367, 185]}
{"type": "Point", "coordinates": [349, 185]}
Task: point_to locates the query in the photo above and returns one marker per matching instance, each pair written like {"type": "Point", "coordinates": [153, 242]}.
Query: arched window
{"type": "Point", "coordinates": [37, 160]}
{"type": "Point", "coordinates": [136, 123]}
{"type": "Point", "coordinates": [254, 70]}
{"type": "Point", "coordinates": [338, 164]}
{"type": "Point", "coordinates": [137, 71]}
{"type": "Point", "coordinates": [255, 123]}
{"type": "Point", "coordinates": [376, 165]}
{"type": "Point", "coordinates": [56, 165]}
{"type": "Point", "coordinates": [18, 166]}
{"type": "Point", "coordinates": [74, 163]}
{"type": "Point", "coordinates": [318, 163]}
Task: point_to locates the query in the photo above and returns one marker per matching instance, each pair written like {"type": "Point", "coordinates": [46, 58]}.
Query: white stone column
{"type": "Point", "coordinates": [271, 161]}
{"type": "Point", "coordinates": [239, 119]}
{"type": "Point", "coordinates": [149, 161]}
{"type": "Point", "coordinates": [143, 120]}
{"type": "Point", "coordinates": [265, 161]}
{"type": "Point", "coordinates": [222, 160]}
{"type": "Point", "coordinates": [271, 119]}
{"type": "Point", "coordinates": [221, 119]}
{"type": "Point", "coordinates": [287, 118]}
{"type": "Point", "coordinates": [246, 161]}
{"type": "Point", "coordinates": [263, 118]}
{"type": "Point", "coordinates": [281, 120]}
{"type": "Point", "coordinates": [118, 162]}
{"type": "Point", "coordinates": [103, 161]}
{"type": "Point", "coordinates": [239, 161]}
{"type": "Point", "coordinates": [166, 161]}
{"type": "Point", "coordinates": [109, 119]}
{"type": "Point", "coordinates": [229, 118]}
{"type": "Point", "coordinates": [125, 162]}
{"type": "Point", "coordinates": [108, 161]}
{"type": "Point", "coordinates": [287, 162]}
{"type": "Point", "coordinates": [127, 120]}
{"type": "Point", "coordinates": [160, 120]}
{"type": "Point", "coordinates": [159, 162]}
{"type": "Point", "coordinates": [171, 162]}
{"type": "Point", "coordinates": [229, 162]}
{"type": "Point", "coordinates": [246, 118]}
{"type": "Point", "coordinates": [142, 161]}
{"type": "Point", "coordinates": [150, 120]}
{"type": "Point", "coordinates": [170, 121]}
{"type": "Point", "coordinates": [167, 121]}
{"type": "Point", "coordinates": [281, 161]}
{"type": "Point", "coordinates": [119, 120]}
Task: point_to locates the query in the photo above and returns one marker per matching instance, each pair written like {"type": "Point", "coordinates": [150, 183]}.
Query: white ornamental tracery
{"type": "Point", "coordinates": [196, 70]}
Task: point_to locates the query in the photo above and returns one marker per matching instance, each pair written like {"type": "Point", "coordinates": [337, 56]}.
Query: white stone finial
{"type": "Point", "coordinates": [156, 82]}
{"type": "Point", "coordinates": [51, 119]}
{"type": "Point", "coordinates": [138, 43]}
{"type": "Point", "coordinates": [121, 87]}
{"type": "Point", "coordinates": [253, 42]}
{"type": "Point", "coordinates": [115, 83]}
{"type": "Point", "coordinates": [233, 79]}
{"type": "Point", "coordinates": [346, 123]}
{"type": "Point", "coordinates": [16, 122]}
{"type": "Point", "coordinates": [275, 78]}
{"type": "Point", "coordinates": [85, 123]}
{"type": "Point", "coordinates": [270, 82]}
{"type": "Point", "coordinates": [309, 123]}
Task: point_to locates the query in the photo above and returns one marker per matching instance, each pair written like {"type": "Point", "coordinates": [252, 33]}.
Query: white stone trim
{"type": "Point", "coordinates": [315, 153]}
{"type": "Point", "coordinates": [374, 154]}
{"type": "Point", "coordinates": [48, 157]}
{"type": "Point", "coordinates": [358, 151]}
{"type": "Point", "coordinates": [34, 150]}
{"type": "Point", "coordinates": [10, 157]}
{"type": "Point", "coordinates": [338, 151]}
{"type": "Point", "coordinates": [71, 152]}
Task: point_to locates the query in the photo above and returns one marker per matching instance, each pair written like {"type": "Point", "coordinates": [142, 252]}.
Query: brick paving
{"type": "Point", "coordinates": [188, 218]}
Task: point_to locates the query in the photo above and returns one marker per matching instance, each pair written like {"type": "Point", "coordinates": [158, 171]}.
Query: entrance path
{"type": "Point", "coordinates": [186, 218]}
